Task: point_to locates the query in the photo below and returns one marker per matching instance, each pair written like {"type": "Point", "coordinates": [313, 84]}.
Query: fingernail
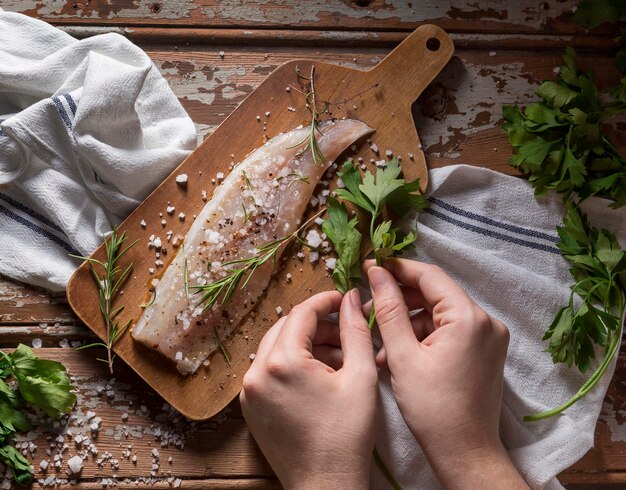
{"type": "Point", "coordinates": [377, 277]}
{"type": "Point", "coordinates": [355, 298]}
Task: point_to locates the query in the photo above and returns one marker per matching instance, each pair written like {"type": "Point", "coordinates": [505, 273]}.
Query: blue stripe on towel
{"type": "Point", "coordinates": [71, 103]}
{"type": "Point", "coordinates": [38, 229]}
{"type": "Point", "coordinates": [492, 234]}
{"type": "Point", "coordinates": [29, 211]}
{"type": "Point", "coordinates": [492, 222]}
{"type": "Point", "coordinates": [62, 112]}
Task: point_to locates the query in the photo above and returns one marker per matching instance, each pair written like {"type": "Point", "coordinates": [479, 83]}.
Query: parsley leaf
{"type": "Point", "coordinates": [347, 242]}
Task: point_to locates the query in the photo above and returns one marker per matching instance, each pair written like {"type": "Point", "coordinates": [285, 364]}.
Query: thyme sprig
{"type": "Point", "coordinates": [223, 290]}
{"type": "Point", "coordinates": [108, 284]}
{"type": "Point", "coordinates": [310, 142]}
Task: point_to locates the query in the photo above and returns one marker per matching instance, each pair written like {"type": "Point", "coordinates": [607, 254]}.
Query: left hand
{"type": "Point", "coordinates": [315, 424]}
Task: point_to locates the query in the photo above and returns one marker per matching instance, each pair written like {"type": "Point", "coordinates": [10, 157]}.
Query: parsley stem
{"type": "Point", "coordinates": [385, 471]}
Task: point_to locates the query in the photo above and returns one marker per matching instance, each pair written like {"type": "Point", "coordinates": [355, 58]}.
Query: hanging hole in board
{"type": "Point", "coordinates": [433, 44]}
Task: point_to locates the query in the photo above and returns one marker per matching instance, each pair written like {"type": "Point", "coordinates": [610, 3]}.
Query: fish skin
{"type": "Point", "coordinates": [275, 202]}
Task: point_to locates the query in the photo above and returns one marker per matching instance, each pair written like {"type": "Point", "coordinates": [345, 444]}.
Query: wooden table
{"type": "Point", "coordinates": [502, 52]}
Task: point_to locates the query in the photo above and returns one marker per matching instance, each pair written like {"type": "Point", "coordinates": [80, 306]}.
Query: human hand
{"type": "Point", "coordinates": [446, 367]}
{"type": "Point", "coordinates": [315, 423]}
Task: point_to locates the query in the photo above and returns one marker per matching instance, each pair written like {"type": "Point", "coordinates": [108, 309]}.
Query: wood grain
{"type": "Point", "coordinates": [525, 16]}
{"type": "Point", "coordinates": [381, 97]}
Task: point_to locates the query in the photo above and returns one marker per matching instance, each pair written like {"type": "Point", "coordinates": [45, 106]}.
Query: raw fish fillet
{"type": "Point", "coordinates": [274, 184]}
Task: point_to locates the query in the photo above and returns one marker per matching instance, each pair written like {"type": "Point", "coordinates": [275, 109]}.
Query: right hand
{"type": "Point", "coordinates": [446, 367]}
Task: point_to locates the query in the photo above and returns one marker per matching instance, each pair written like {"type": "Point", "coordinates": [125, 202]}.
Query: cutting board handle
{"type": "Point", "coordinates": [415, 62]}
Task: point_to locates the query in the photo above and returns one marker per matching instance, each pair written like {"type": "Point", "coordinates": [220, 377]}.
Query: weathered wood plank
{"type": "Point", "coordinates": [524, 16]}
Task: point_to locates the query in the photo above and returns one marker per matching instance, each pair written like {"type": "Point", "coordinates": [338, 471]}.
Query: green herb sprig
{"type": "Point", "coordinates": [599, 269]}
{"type": "Point", "coordinates": [374, 195]}
{"type": "Point", "coordinates": [41, 383]}
{"type": "Point", "coordinates": [559, 143]}
{"type": "Point", "coordinates": [310, 142]}
{"type": "Point", "coordinates": [108, 284]}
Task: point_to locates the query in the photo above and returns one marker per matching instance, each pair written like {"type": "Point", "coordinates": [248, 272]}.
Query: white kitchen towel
{"type": "Point", "coordinates": [488, 232]}
{"type": "Point", "coordinates": [87, 130]}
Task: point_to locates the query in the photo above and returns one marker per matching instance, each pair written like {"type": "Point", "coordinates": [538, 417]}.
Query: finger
{"type": "Point", "coordinates": [412, 297]}
{"type": "Point", "coordinates": [392, 316]}
{"type": "Point", "coordinates": [329, 355]}
{"type": "Point", "coordinates": [327, 333]}
{"type": "Point", "coordinates": [356, 337]}
{"type": "Point", "coordinates": [300, 328]}
{"type": "Point", "coordinates": [381, 358]}
{"type": "Point", "coordinates": [430, 281]}
{"type": "Point", "coordinates": [268, 340]}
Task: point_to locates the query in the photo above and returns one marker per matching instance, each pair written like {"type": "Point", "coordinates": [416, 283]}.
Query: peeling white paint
{"type": "Point", "coordinates": [475, 95]}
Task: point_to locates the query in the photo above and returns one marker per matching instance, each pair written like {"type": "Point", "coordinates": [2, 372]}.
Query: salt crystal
{"type": "Point", "coordinates": [64, 343]}
{"type": "Point", "coordinates": [314, 257]}
{"type": "Point", "coordinates": [258, 118]}
{"type": "Point", "coordinates": [288, 277]}
{"type": "Point", "coordinates": [267, 114]}
{"type": "Point", "coordinates": [177, 483]}
{"type": "Point", "coordinates": [181, 216]}
{"type": "Point", "coordinates": [182, 179]}
{"type": "Point", "coordinates": [170, 209]}
{"type": "Point", "coordinates": [492, 53]}
{"type": "Point", "coordinates": [374, 148]}
{"type": "Point", "coordinates": [279, 311]}
{"type": "Point", "coordinates": [411, 156]}
{"type": "Point", "coordinates": [157, 242]}
{"type": "Point", "coordinates": [252, 356]}
{"type": "Point", "coordinates": [222, 54]}
{"type": "Point", "coordinates": [389, 153]}
{"type": "Point", "coordinates": [37, 343]}
{"type": "Point", "coordinates": [143, 223]}
{"type": "Point", "coordinates": [179, 356]}
{"type": "Point", "coordinates": [43, 465]}
{"type": "Point", "coordinates": [313, 238]}
{"type": "Point", "coordinates": [163, 223]}
{"type": "Point", "coordinates": [75, 464]}
{"type": "Point", "coordinates": [60, 439]}
{"type": "Point", "coordinates": [154, 451]}
{"type": "Point", "coordinates": [220, 176]}
{"type": "Point", "coordinates": [330, 263]}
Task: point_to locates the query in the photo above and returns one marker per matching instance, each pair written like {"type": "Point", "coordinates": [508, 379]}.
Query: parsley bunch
{"type": "Point", "coordinates": [375, 195]}
{"type": "Point", "coordinates": [559, 143]}
{"type": "Point", "coordinates": [41, 383]}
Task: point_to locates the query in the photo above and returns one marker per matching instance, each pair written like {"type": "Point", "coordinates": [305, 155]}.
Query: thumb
{"type": "Point", "coordinates": [355, 336]}
{"type": "Point", "coordinates": [392, 316]}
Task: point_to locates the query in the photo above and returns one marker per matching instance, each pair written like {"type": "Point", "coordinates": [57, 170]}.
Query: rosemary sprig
{"type": "Point", "coordinates": [108, 286]}
{"type": "Point", "coordinates": [224, 289]}
{"type": "Point", "coordinates": [310, 142]}
{"type": "Point", "coordinates": [221, 345]}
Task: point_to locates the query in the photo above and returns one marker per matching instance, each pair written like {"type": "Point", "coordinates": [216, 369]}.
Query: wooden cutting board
{"type": "Point", "coordinates": [381, 97]}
